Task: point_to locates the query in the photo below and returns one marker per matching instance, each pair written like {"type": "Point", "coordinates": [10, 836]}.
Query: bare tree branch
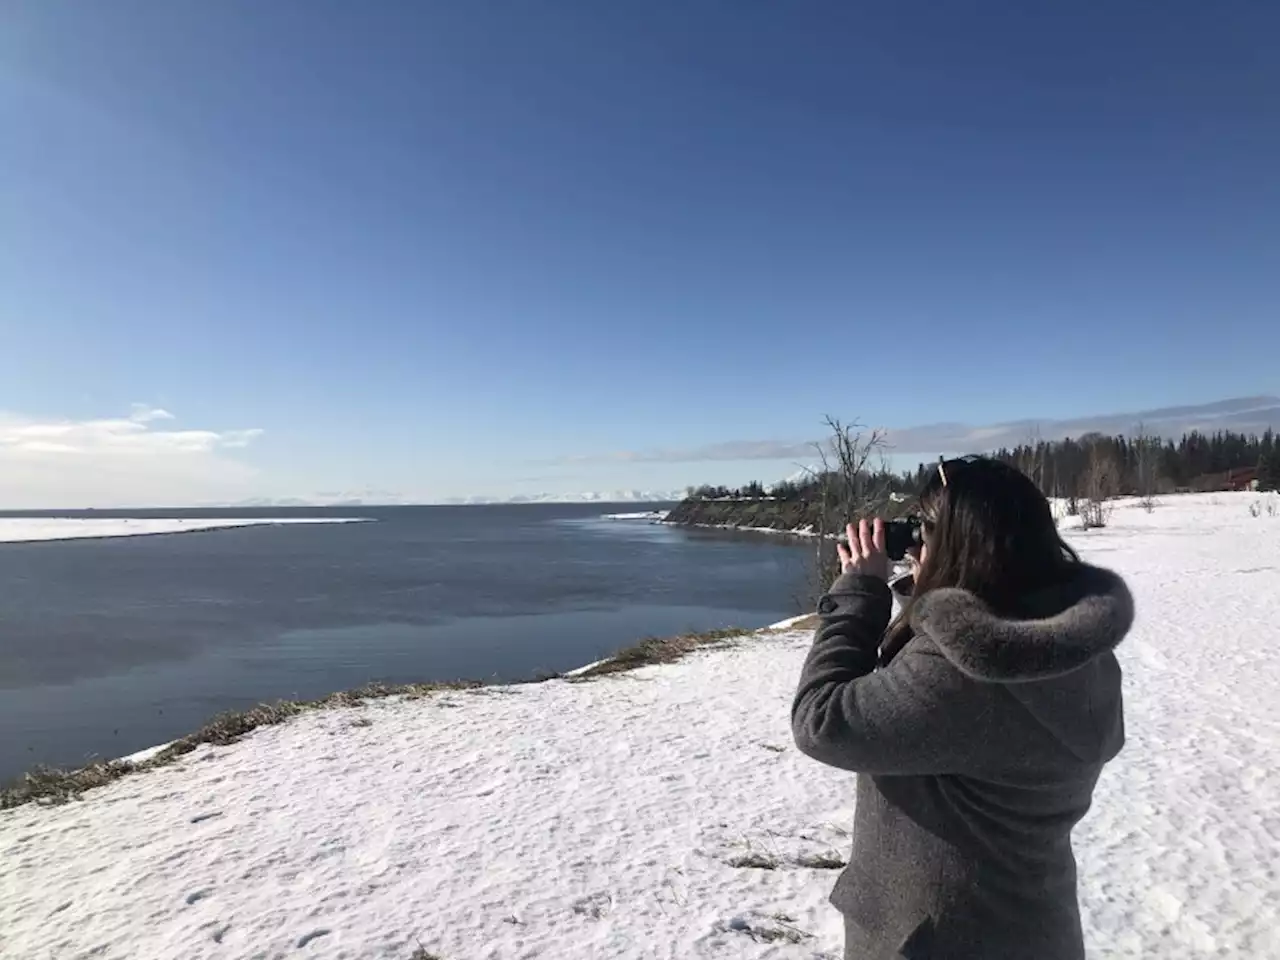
{"type": "Point", "coordinates": [847, 491]}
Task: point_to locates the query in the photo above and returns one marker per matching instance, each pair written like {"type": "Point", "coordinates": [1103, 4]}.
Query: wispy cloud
{"type": "Point", "coordinates": [131, 461]}
{"type": "Point", "coordinates": [729, 450]}
{"type": "Point", "coordinates": [1248, 414]}
{"type": "Point", "coordinates": [144, 413]}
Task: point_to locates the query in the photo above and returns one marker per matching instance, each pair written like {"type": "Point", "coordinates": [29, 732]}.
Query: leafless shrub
{"type": "Point", "coordinates": [1101, 482]}
{"type": "Point", "coordinates": [1094, 514]}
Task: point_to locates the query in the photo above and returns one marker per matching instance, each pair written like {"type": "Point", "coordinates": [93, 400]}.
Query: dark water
{"type": "Point", "coordinates": [108, 646]}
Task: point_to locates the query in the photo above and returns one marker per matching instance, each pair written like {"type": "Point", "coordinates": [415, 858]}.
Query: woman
{"type": "Point", "coordinates": [979, 721]}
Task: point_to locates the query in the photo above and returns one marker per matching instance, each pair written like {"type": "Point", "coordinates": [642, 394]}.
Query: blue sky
{"type": "Point", "coordinates": [451, 248]}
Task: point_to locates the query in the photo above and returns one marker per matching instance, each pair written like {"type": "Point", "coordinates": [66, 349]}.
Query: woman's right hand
{"type": "Point", "coordinates": [865, 553]}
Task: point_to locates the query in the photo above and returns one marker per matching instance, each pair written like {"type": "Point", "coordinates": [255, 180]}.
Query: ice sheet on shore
{"type": "Point", "coordinates": [32, 529]}
{"type": "Point", "coordinates": [612, 819]}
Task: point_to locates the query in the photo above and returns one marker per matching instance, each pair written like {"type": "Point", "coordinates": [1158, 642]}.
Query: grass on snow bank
{"type": "Point", "coordinates": [50, 785]}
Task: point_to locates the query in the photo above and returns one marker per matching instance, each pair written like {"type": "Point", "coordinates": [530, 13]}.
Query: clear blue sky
{"type": "Point", "coordinates": [443, 248]}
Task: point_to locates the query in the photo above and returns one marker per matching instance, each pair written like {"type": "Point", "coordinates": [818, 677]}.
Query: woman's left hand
{"type": "Point", "coordinates": [865, 553]}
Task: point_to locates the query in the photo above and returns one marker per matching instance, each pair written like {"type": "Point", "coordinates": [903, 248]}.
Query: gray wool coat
{"type": "Point", "coordinates": [978, 745]}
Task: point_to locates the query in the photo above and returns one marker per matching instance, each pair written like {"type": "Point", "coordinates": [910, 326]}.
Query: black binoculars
{"type": "Point", "coordinates": [900, 535]}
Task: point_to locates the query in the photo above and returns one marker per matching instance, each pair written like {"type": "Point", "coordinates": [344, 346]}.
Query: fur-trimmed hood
{"type": "Point", "coordinates": [1059, 631]}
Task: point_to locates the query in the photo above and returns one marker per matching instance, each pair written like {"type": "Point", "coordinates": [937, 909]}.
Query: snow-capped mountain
{"type": "Point", "coordinates": [800, 476]}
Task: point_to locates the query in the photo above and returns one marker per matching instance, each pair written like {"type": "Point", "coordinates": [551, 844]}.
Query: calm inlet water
{"type": "Point", "coordinates": [109, 646]}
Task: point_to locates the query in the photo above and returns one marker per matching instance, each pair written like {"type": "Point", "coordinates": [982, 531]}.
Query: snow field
{"type": "Point", "coordinates": [664, 813]}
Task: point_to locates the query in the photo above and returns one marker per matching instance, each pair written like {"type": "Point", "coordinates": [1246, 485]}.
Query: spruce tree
{"type": "Point", "coordinates": [1269, 471]}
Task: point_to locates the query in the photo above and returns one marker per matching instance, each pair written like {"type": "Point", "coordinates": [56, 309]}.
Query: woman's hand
{"type": "Point", "coordinates": [915, 561]}
{"type": "Point", "coordinates": [865, 553]}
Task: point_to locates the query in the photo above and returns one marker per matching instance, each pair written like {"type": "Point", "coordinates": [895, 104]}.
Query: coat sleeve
{"type": "Point", "coordinates": [918, 715]}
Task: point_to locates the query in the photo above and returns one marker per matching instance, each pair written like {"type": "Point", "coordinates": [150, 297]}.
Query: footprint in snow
{"type": "Point", "coordinates": [197, 896]}
{"type": "Point", "coordinates": [594, 906]}
{"type": "Point", "coordinates": [201, 818]}
{"type": "Point", "coordinates": [313, 935]}
{"type": "Point", "coordinates": [767, 929]}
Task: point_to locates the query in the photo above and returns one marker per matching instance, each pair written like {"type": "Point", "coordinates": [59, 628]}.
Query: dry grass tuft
{"type": "Point", "coordinates": [754, 861]}
{"type": "Point", "coordinates": [59, 786]}
{"type": "Point", "coordinates": [781, 929]}
{"type": "Point", "coordinates": [786, 934]}
{"type": "Point", "coordinates": [808, 623]}
{"type": "Point", "coordinates": [821, 861]}
{"type": "Point", "coordinates": [654, 650]}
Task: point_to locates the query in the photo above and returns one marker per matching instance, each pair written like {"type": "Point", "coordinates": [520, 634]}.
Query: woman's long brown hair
{"type": "Point", "coordinates": [989, 531]}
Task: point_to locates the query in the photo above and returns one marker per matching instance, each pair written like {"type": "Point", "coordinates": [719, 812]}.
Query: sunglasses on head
{"type": "Point", "coordinates": [946, 467]}
{"type": "Point", "coordinates": [923, 525]}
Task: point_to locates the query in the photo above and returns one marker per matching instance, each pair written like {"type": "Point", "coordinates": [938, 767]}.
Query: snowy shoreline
{"type": "Point", "coordinates": [1268, 503]}
{"type": "Point", "coordinates": [45, 529]}
{"type": "Point", "coordinates": [664, 812]}
{"type": "Point", "coordinates": [654, 516]}
{"type": "Point", "coordinates": [797, 532]}
{"type": "Point", "coordinates": [146, 753]}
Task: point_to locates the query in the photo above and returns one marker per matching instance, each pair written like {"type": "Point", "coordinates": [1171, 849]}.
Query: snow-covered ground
{"type": "Point", "coordinates": [607, 819]}
{"type": "Point", "coordinates": [27, 529]}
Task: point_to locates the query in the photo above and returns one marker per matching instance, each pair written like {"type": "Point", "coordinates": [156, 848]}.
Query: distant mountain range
{"type": "Point", "coordinates": [610, 496]}
{"type": "Point", "coordinates": [383, 499]}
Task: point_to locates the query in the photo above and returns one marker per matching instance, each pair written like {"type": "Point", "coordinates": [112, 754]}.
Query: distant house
{"type": "Point", "coordinates": [1241, 478]}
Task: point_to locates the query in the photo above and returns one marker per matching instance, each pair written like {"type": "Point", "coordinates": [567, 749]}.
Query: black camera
{"type": "Point", "coordinates": [900, 535]}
